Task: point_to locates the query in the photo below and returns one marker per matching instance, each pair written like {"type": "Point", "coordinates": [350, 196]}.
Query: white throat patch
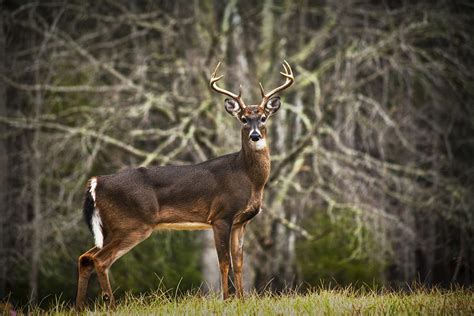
{"type": "Point", "coordinates": [259, 145]}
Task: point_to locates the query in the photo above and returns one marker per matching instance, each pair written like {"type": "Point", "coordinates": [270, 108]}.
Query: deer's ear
{"type": "Point", "coordinates": [232, 107]}
{"type": "Point", "coordinates": [272, 105]}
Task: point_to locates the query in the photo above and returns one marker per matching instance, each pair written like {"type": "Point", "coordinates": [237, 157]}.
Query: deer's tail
{"type": "Point", "coordinates": [91, 213]}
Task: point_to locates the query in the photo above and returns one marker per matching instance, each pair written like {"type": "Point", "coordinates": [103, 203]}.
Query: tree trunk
{"type": "Point", "coordinates": [3, 167]}
{"type": "Point", "coordinates": [36, 189]}
{"type": "Point", "coordinates": [209, 266]}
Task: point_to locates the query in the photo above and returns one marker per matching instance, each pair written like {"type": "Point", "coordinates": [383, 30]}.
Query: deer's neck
{"type": "Point", "coordinates": [256, 161]}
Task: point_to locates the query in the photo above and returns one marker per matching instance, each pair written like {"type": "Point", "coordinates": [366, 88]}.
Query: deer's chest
{"type": "Point", "coordinates": [252, 209]}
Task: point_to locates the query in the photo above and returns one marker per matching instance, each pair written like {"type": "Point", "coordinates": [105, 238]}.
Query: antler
{"type": "Point", "coordinates": [213, 83]}
{"type": "Point", "coordinates": [290, 79]}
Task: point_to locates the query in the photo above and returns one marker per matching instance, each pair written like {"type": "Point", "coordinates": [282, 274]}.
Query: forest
{"type": "Point", "coordinates": [372, 168]}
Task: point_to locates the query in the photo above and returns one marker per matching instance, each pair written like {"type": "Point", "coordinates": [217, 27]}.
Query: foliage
{"type": "Point", "coordinates": [334, 256]}
{"type": "Point", "coordinates": [164, 261]}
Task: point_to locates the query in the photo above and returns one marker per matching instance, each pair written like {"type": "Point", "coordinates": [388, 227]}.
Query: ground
{"type": "Point", "coordinates": [317, 302]}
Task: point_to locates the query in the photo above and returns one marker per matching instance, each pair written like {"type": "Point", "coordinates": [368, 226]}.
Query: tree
{"type": "Point", "coordinates": [376, 133]}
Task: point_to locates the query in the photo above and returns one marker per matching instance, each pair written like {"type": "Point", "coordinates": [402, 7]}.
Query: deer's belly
{"type": "Point", "coordinates": [183, 226]}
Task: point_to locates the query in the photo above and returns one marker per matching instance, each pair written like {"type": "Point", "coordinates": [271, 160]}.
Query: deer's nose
{"type": "Point", "coordinates": [255, 136]}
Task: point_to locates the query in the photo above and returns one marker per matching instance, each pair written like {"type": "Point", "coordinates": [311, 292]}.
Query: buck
{"type": "Point", "coordinates": [222, 194]}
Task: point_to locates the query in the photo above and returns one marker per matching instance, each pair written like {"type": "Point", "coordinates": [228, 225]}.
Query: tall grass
{"type": "Point", "coordinates": [315, 302]}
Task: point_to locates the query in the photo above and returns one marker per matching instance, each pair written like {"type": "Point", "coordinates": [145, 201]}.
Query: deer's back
{"type": "Point", "coordinates": [195, 193]}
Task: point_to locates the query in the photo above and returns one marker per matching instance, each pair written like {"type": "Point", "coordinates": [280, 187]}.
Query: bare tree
{"type": "Point", "coordinates": [3, 164]}
{"type": "Point", "coordinates": [376, 130]}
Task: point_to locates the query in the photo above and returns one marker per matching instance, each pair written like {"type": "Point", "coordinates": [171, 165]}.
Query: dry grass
{"type": "Point", "coordinates": [318, 302]}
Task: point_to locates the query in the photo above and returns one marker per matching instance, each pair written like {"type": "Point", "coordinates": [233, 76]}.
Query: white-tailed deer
{"type": "Point", "coordinates": [222, 194]}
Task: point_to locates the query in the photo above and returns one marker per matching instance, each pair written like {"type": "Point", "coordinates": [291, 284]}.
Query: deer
{"type": "Point", "coordinates": [222, 194]}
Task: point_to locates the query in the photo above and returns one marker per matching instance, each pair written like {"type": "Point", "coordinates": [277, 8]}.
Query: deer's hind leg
{"type": "Point", "coordinates": [85, 266]}
{"type": "Point", "coordinates": [117, 246]}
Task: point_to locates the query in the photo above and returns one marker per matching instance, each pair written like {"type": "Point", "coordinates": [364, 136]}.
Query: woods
{"type": "Point", "coordinates": [372, 168]}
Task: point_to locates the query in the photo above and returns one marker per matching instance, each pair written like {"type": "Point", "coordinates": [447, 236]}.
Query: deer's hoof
{"type": "Point", "coordinates": [79, 307]}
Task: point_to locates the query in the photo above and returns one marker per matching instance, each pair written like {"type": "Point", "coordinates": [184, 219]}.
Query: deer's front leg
{"type": "Point", "coordinates": [221, 229]}
{"type": "Point", "coordinates": [237, 245]}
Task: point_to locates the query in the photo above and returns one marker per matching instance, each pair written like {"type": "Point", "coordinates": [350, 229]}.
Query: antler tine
{"type": "Point", "coordinates": [215, 87]}
{"type": "Point", "coordinates": [289, 80]}
{"type": "Point", "coordinates": [262, 90]}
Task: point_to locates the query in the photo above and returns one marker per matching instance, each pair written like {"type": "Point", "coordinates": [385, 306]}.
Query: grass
{"type": "Point", "coordinates": [345, 301]}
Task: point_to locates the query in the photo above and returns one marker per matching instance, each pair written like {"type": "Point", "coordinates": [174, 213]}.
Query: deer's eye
{"type": "Point", "coordinates": [243, 120]}
{"type": "Point", "coordinates": [263, 119]}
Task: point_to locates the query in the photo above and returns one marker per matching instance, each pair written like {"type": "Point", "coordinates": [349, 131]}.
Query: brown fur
{"type": "Point", "coordinates": [224, 194]}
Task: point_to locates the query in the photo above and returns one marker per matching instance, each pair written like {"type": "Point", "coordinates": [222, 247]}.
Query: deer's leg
{"type": "Point", "coordinates": [237, 244]}
{"type": "Point", "coordinates": [221, 229]}
{"type": "Point", "coordinates": [114, 249]}
{"type": "Point", "coordinates": [85, 267]}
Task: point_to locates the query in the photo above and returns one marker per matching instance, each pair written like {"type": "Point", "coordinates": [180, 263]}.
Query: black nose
{"type": "Point", "coordinates": [255, 136]}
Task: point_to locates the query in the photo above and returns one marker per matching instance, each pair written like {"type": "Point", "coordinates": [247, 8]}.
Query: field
{"type": "Point", "coordinates": [318, 302]}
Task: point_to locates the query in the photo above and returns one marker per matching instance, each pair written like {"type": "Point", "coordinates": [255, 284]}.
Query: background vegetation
{"type": "Point", "coordinates": [372, 168]}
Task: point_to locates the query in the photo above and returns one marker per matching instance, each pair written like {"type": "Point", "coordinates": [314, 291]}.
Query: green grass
{"type": "Point", "coordinates": [318, 302]}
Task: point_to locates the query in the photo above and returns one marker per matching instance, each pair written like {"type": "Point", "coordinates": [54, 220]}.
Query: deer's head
{"type": "Point", "coordinates": [254, 117]}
